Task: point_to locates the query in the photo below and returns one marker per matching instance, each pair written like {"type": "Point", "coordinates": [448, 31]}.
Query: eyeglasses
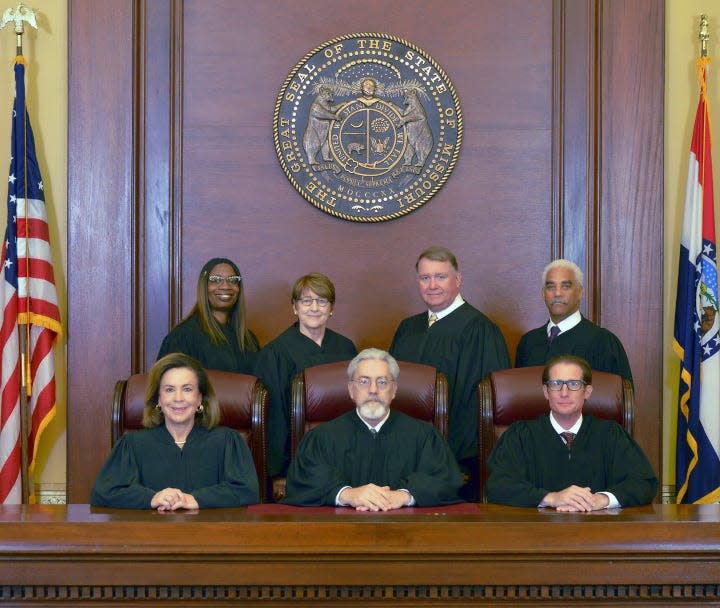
{"type": "Point", "coordinates": [216, 279]}
{"type": "Point", "coordinates": [365, 382]}
{"type": "Point", "coordinates": [557, 385]}
{"type": "Point", "coordinates": [321, 302]}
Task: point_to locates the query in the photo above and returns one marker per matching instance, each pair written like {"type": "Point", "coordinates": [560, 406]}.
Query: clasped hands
{"type": "Point", "coordinates": [575, 498]}
{"type": "Point", "coordinates": [374, 498]}
{"type": "Point", "coordinates": [172, 499]}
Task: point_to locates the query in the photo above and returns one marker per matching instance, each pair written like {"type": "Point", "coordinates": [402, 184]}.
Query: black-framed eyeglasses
{"type": "Point", "coordinates": [216, 279]}
{"type": "Point", "coordinates": [557, 385]}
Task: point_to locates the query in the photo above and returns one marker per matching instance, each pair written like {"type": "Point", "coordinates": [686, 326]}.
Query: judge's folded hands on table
{"type": "Point", "coordinates": [172, 499]}
{"type": "Point", "coordinates": [575, 498]}
{"type": "Point", "coordinates": [374, 498]}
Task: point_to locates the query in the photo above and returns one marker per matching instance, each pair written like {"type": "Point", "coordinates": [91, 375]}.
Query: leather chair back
{"type": "Point", "coordinates": [320, 394]}
{"type": "Point", "coordinates": [243, 407]}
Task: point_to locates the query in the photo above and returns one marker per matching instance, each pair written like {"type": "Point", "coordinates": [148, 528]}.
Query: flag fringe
{"type": "Point", "coordinates": [36, 320]}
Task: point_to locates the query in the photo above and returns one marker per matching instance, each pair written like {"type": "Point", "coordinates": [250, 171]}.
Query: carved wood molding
{"type": "Point", "coordinates": [313, 595]}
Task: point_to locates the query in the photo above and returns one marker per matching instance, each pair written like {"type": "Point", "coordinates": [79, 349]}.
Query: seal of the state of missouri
{"type": "Point", "coordinates": [367, 127]}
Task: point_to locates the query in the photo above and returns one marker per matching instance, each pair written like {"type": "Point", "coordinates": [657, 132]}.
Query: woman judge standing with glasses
{"type": "Point", "coordinates": [215, 331]}
{"type": "Point", "coordinates": [306, 343]}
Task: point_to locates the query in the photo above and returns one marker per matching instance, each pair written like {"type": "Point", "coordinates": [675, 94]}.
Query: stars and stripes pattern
{"type": "Point", "coordinates": [696, 324]}
{"type": "Point", "coordinates": [31, 318]}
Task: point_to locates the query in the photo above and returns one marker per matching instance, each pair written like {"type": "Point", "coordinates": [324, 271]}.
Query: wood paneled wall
{"type": "Point", "coordinates": [171, 162]}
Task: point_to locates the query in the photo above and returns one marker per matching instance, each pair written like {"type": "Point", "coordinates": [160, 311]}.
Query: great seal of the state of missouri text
{"type": "Point", "coordinates": [367, 127]}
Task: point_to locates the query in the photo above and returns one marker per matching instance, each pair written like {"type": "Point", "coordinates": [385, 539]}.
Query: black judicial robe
{"type": "Point", "coordinates": [598, 346]}
{"type": "Point", "coordinates": [405, 454]}
{"type": "Point", "coordinates": [215, 466]}
{"type": "Point", "coordinates": [466, 346]}
{"type": "Point", "coordinates": [277, 363]}
{"type": "Point", "coordinates": [530, 459]}
{"type": "Point", "coordinates": [187, 337]}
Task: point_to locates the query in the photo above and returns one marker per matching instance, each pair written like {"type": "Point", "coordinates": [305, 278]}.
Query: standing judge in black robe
{"type": "Point", "coordinates": [565, 459]}
{"type": "Point", "coordinates": [458, 340]}
{"type": "Point", "coordinates": [306, 343]}
{"type": "Point", "coordinates": [215, 332]}
{"type": "Point", "coordinates": [182, 459]}
{"type": "Point", "coordinates": [373, 458]}
{"type": "Point", "coordinates": [573, 334]}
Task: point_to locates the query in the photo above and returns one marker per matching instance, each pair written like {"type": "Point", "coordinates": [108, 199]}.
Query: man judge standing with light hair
{"type": "Point", "coordinates": [567, 331]}
{"type": "Point", "coordinates": [461, 342]}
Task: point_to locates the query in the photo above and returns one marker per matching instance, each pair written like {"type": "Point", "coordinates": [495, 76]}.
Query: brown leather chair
{"type": "Point", "coordinates": [243, 407]}
{"type": "Point", "coordinates": [320, 394]}
{"type": "Point", "coordinates": [516, 394]}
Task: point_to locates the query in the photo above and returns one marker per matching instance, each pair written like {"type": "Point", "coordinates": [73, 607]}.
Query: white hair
{"type": "Point", "coordinates": [374, 354]}
{"type": "Point", "coordinates": [564, 264]}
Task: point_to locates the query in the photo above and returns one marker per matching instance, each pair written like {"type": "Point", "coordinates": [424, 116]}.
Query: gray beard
{"type": "Point", "coordinates": [373, 410]}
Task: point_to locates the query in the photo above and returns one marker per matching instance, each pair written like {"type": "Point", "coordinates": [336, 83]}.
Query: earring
{"type": "Point", "coordinates": [200, 408]}
{"type": "Point", "coordinates": [158, 408]}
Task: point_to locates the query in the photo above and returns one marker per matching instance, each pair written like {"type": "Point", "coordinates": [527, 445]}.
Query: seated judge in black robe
{"type": "Point", "coordinates": [373, 458]}
{"type": "Point", "coordinates": [535, 463]}
{"type": "Point", "coordinates": [182, 459]}
{"type": "Point", "coordinates": [562, 291]}
{"type": "Point", "coordinates": [215, 332]}
{"type": "Point", "coordinates": [306, 343]}
{"type": "Point", "coordinates": [459, 341]}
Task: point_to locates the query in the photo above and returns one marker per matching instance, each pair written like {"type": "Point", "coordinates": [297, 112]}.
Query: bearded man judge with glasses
{"type": "Point", "coordinates": [567, 460]}
{"type": "Point", "coordinates": [373, 458]}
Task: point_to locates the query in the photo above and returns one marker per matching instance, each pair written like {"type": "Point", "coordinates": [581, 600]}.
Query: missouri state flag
{"type": "Point", "coordinates": [697, 471]}
{"type": "Point", "coordinates": [31, 318]}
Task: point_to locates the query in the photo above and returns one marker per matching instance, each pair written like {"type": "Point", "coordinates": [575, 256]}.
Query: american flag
{"type": "Point", "coordinates": [31, 318]}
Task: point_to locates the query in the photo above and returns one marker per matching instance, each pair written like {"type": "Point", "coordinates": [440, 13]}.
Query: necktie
{"type": "Point", "coordinates": [373, 432]}
{"type": "Point", "coordinates": [431, 319]}
{"type": "Point", "coordinates": [568, 437]}
{"type": "Point", "coordinates": [554, 331]}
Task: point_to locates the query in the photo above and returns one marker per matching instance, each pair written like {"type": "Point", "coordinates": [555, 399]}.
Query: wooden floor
{"type": "Point", "coordinates": [461, 555]}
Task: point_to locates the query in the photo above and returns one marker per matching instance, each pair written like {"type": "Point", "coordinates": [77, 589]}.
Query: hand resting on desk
{"type": "Point", "coordinates": [374, 498]}
{"type": "Point", "coordinates": [575, 498]}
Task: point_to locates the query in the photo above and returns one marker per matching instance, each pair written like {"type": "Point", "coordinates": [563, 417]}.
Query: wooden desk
{"type": "Point", "coordinates": [465, 554]}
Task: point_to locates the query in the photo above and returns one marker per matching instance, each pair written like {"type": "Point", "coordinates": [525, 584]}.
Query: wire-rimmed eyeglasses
{"type": "Point", "coordinates": [308, 302]}
{"type": "Point", "coordinates": [381, 383]}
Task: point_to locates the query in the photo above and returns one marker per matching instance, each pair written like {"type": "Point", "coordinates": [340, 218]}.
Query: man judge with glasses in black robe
{"type": "Point", "coordinates": [565, 459]}
{"type": "Point", "coordinates": [373, 458]}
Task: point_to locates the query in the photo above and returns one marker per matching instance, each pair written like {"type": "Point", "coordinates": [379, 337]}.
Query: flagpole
{"type": "Point", "coordinates": [19, 16]}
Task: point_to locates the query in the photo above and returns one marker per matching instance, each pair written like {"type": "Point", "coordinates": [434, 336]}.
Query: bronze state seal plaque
{"type": "Point", "coordinates": [367, 127]}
